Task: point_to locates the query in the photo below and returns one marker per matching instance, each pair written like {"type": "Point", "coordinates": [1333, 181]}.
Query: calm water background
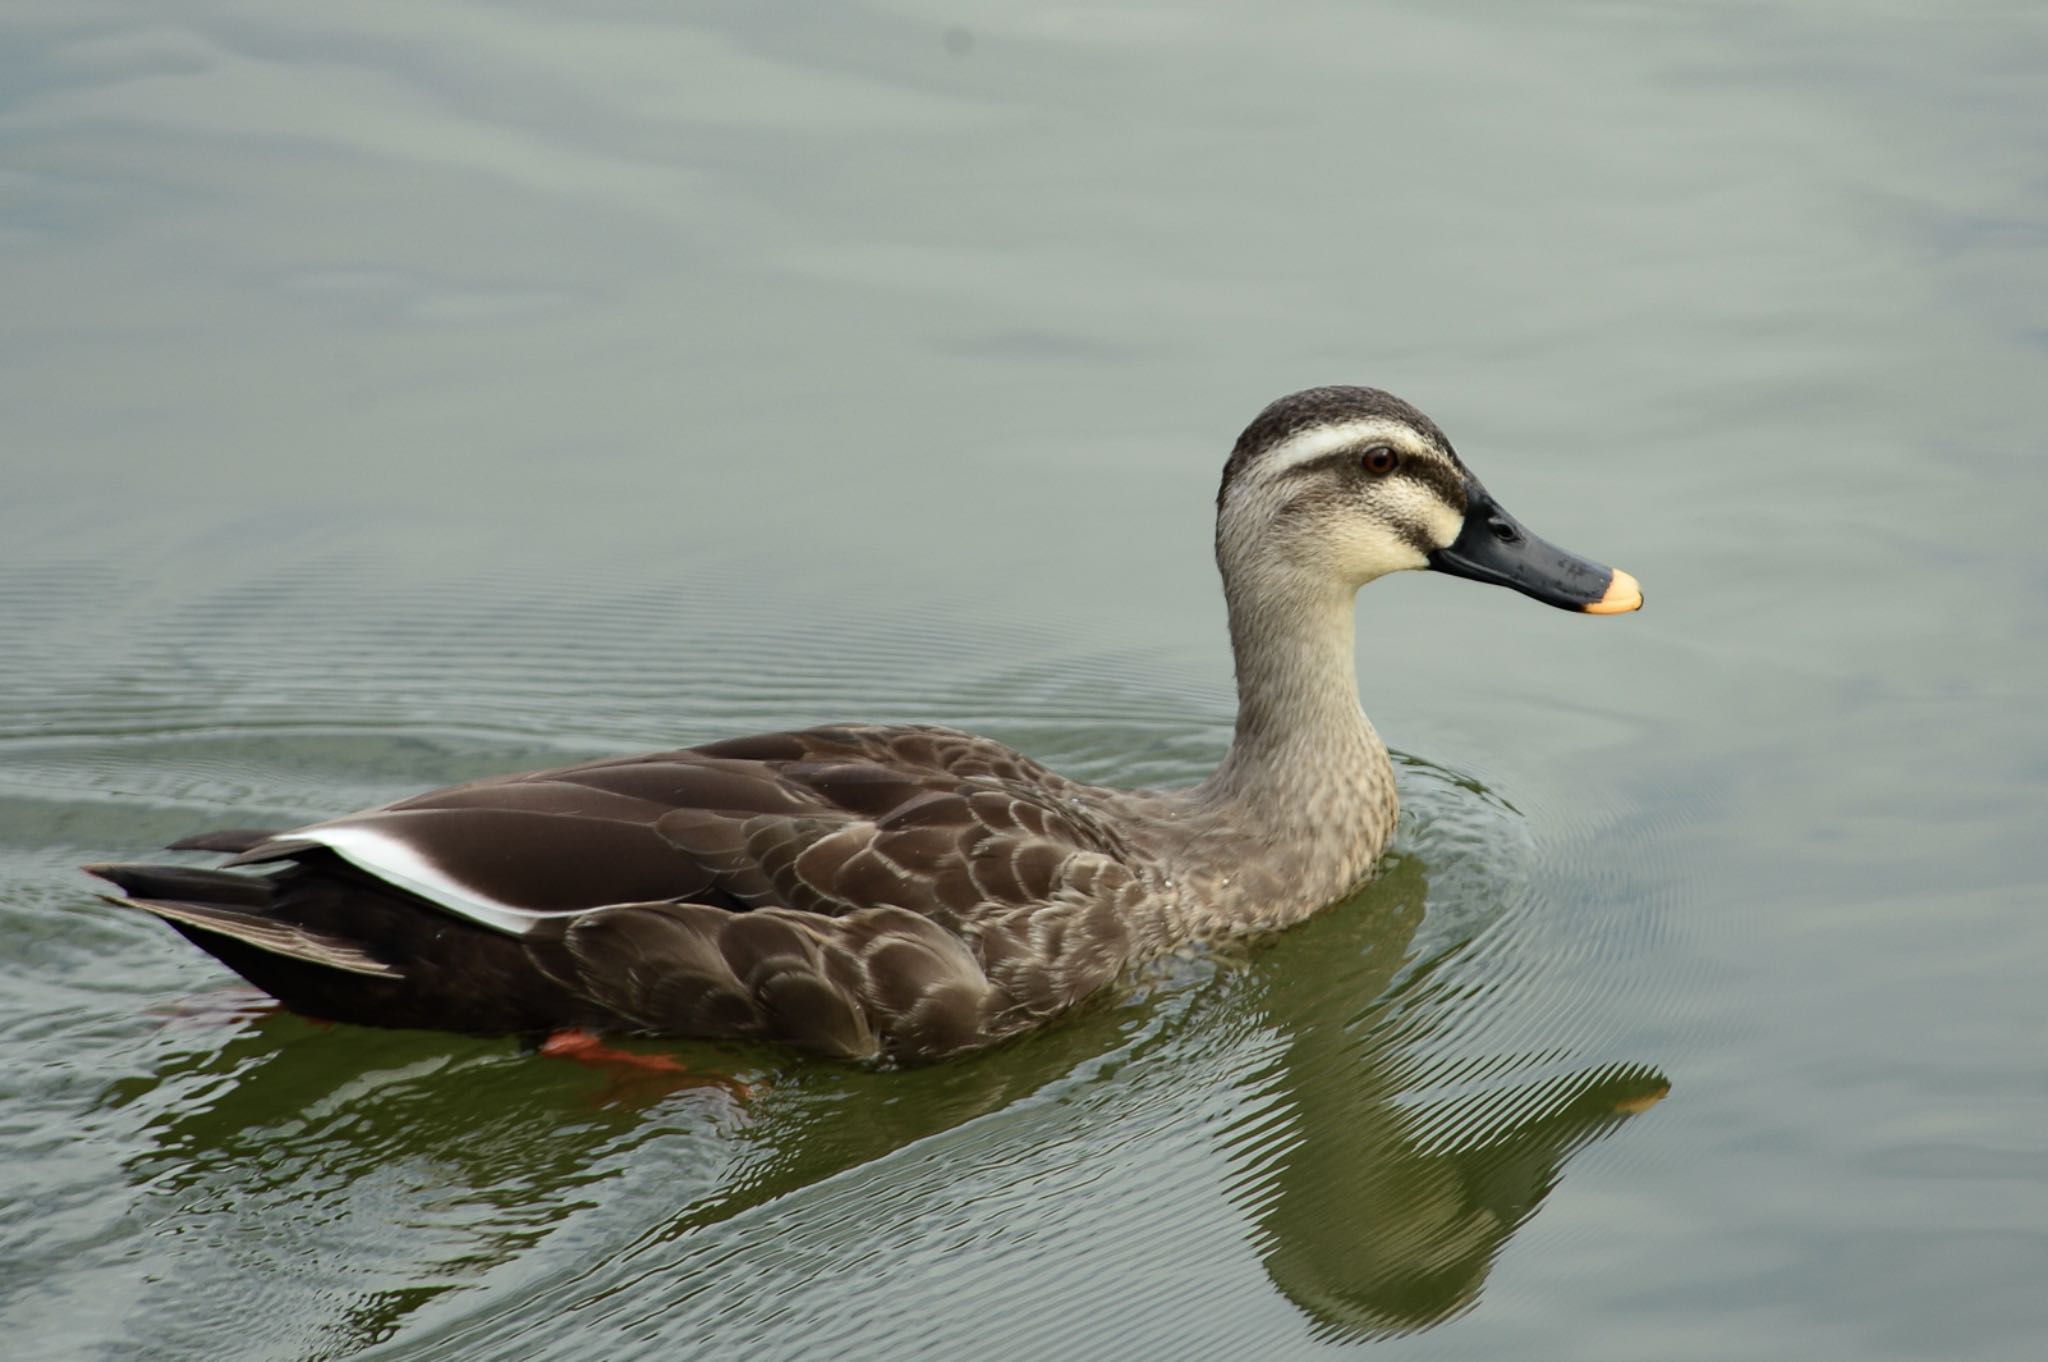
{"type": "Point", "coordinates": [396, 394]}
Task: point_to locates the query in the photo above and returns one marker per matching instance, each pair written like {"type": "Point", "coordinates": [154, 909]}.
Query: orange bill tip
{"type": "Point", "coordinates": [1624, 594]}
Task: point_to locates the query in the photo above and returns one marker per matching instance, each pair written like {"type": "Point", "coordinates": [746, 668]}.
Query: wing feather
{"type": "Point", "coordinates": [852, 891]}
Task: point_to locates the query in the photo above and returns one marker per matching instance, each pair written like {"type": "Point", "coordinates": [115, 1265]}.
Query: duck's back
{"type": "Point", "coordinates": [854, 891]}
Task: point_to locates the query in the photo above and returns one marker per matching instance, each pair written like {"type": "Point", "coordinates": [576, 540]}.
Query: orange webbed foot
{"type": "Point", "coordinates": [636, 1074]}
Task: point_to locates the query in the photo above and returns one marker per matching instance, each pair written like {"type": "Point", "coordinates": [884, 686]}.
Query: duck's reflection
{"type": "Point", "coordinates": [1374, 1214]}
{"type": "Point", "coordinates": [1380, 1216]}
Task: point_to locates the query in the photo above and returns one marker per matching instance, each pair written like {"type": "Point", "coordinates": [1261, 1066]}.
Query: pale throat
{"type": "Point", "coordinates": [1303, 746]}
{"type": "Point", "coordinates": [1301, 807]}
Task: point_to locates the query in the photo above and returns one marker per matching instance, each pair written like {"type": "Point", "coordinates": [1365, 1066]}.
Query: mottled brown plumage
{"type": "Point", "coordinates": [870, 892]}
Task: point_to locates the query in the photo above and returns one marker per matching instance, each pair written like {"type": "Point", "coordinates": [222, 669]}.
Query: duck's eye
{"type": "Point", "coordinates": [1381, 460]}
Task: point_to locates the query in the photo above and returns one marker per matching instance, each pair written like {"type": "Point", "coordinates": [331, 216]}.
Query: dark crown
{"type": "Point", "coordinates": [1288, 416]}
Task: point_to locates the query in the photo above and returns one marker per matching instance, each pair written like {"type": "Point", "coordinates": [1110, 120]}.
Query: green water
{"type": "Point", "coordinates": [397, 394]}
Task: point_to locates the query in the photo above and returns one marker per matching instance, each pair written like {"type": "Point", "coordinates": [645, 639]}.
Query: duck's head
{"type": "Point", "coordinates": [1342, 485]}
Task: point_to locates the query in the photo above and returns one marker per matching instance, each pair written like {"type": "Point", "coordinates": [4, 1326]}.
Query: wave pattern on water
{"type": "Point", "coordinates": [1367, 1108]}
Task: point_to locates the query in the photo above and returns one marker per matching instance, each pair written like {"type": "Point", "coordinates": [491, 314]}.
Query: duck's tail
{"type": "Point", "coordinates": [207, 905]}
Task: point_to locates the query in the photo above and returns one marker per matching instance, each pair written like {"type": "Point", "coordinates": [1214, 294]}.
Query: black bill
{"type": "Point", "coordinates": [1493, 547]}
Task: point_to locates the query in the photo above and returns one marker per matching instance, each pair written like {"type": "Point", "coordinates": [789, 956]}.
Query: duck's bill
{"type": "Point", "coordinates": [1493, 547]}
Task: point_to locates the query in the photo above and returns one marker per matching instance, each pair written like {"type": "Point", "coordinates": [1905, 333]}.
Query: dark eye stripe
{"type": "Point", "coordinates": [1446, 481]}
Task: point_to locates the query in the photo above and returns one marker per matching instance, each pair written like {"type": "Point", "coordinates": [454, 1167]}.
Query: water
{"type": "Point", "coordinates": [399, 394]}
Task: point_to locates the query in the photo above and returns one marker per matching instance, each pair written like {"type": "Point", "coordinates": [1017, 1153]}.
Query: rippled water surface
{"type": "Point", "coordinates": [397, 394]}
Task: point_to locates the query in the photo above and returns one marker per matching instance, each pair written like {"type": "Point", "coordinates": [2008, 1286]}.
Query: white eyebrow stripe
{"type": "Point", "coordinates": [1317, 441]}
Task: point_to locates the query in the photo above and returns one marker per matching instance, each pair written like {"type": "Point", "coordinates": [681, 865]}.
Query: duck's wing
{"type": "Point", "coordinates": [826, 821]}
{"type": "Point", "coordinates": [949, 922]}
{"type": "Point", "coordinates": [847, 890]}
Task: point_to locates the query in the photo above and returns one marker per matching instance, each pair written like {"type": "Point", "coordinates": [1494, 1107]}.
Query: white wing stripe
{"type": "Point", "coordinates": [396, 863]}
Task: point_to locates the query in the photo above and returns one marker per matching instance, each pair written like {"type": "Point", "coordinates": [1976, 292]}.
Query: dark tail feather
{"type": "Point", "coordinates": [224, 840]}
{"type": "Point", "coordinates": [209, 904]}
{"type": "Point", "coordinates": [187, 884]}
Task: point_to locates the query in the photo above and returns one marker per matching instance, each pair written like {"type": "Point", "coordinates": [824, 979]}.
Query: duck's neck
{"type": "Point", "coordinates": [1307, 780]}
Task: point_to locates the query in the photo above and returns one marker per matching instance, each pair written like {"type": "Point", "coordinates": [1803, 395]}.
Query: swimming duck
{"type": "Point", "coordinates": [901, 893]}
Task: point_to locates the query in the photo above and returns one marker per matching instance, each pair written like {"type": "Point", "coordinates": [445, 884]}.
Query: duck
{"type": "Point", "coordinates": [892, 894]}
